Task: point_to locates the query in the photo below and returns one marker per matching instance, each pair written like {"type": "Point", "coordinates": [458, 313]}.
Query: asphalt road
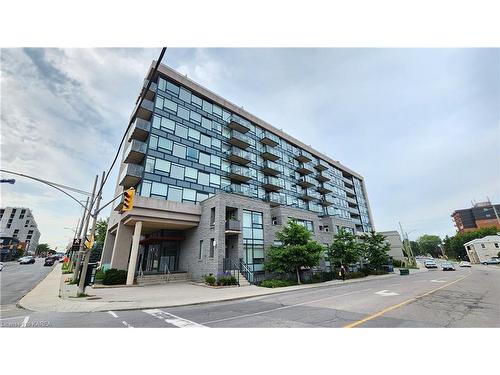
{"type": "Point", "coordinates": [463, 298]}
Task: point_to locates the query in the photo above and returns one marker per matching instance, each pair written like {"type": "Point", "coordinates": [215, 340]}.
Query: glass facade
{"type": "Point", "coordinates": [253, 240]}
{"type": "Point", "coordinates": [197, 148]}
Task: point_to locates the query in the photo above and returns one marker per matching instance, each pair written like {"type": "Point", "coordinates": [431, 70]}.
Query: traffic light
{"type": "Point", "coordinates": [128, 199]}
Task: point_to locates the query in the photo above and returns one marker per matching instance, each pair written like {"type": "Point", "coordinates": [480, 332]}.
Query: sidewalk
{"type": "Point", "coordinates": [45, 296]}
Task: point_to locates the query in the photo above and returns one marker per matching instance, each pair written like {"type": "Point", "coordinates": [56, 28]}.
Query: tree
{"type": "Point", "coordinates": [374, 248]}
{"type": "Point", "coordinates": [454, 246]}
{"type": "Point", "coordinates": [42, 248]}
{"type": "Point", "coordinates": [101, 229]}
{"type": "Point", "coordinates": [344, 248]}
{"type": "Point", "coordinates": [415, 248]}
{"type": "Point", "coordinates": [297, 250]}
{"type": "Point", "coordinates": [429, 244]}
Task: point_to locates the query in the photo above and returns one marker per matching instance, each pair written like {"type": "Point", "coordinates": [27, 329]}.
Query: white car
{"type": "Point", "coordinates": [1, 266]}
{"type": "Point", "coordinates": [430, 264]}
{"type": "Point", "coordinates": [464, 264]}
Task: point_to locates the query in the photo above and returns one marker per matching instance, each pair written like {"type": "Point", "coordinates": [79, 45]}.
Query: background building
{"type": "Point", "coordinates": [482, 249]}
{"type": "Point", "coordinates": [19, 223]}
{"type": "Point", "coordinates": [394, 240]}
{"type": "Point", "coordinates": [215, 183]}
{"type": "Point", "coordinates": [481, 215]}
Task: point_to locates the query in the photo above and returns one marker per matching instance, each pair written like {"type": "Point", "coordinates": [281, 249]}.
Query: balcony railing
{"type": "Point", "coordinates": [272, 168]}
{"type": "Point", "coordinates": [131, 175]}
{"type": "Point", "coordinates": [269, 138]}
{"type": "Point", "coordinates": [303, 156]}
{"type": "Point", "coordinates": [144, 111]}
{"type": "Point", "coordinates": [140, 130]}
{"type": "Point", "coordinates": [349, 190]}
{"type": "Point", "coordinates": [241, 140]}
{"type": "Point", "coordinates": [321, 177]}
{"type": "Point", "coordinates": [233, 225]}
{"type": "Point", "coordinates": [305, 168]}
{"type": "Point", "coordinates": [326, 200]}
{"type": "Point", "coordinates": [308, 194]}
{"type": "Point", "coordinates": [270, 153]}
{"type": "Point", "coordinates": [351, 200]}
{"type": "Point", "coordinates": [241, 173]}
{"type": "Point", "coordinates": [150, 94]}
{"type": "Point", "coordinates": [238, 124]}
{"type": "Point", "coordinates": [347, 181]}
{"type": "Point", "coordinates": [238, 189]}
{"type": "Point", "coordinates": [353, 210]}
{"type": "Point", "coordinates": [307, 181]}
{"type": "Point", "coordinates": [240, 156]}
{"type": "Point", "coordinates": [325, 188]}
{"type": "Point", "coordinates": [273, 183]}
{"type": "Point", "coordinates": [321, 165]}
{"type": "Point", "coordinates": [275, 198]}
{"type": "Point", "coordinates": [135, 152]}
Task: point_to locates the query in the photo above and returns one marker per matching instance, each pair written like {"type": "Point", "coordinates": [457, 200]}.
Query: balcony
{"type": "Point", "coordinates": [275, 199]}
{"type": "Point", "coordinates": [233, 226]}
{"type": "Point", "coordinates": [150, 94]}
{"type": "Point", "coordinates": [303, 156]}
{"type": "Point", "coordinates": [321, 165]}
{"type": "Point", "coordinates": [239, 124]}
{"type": "Point", "coordinates": [308, 195]}
{"type": "Point", "coordinates": [131, 175]}
{"type": "Point", "coordinates": [321, 177]}
{"type": "Point", "coordinates": [238, 189]}
{"type": "Point", "coordinates": [356, 221]}
{"type": "Point", "coordinates": [140, 130]}
{"type": "Point", "coordinates": [349, 190]}
{"type": "Point", "coordinates": [240, 173]}
{"type": "Point", "coordinates": [273, 183]}
{"type": "Point", "coordinates": [353, 211]}
{"type": "Point", "coordinates": [240, 140]}
{"type": "Point", "coordinates": [239, 156]}
{"type": "Point", "coordinates": [270, 153]}
{"type": "Point", "coordinates": [144, 111]}
{"type": "Point", "coordinates": [327, 200]}
{"type": "Point", "coordinates": [271, 168]}
{"type": "Point", "coordinates": [351, 200]}
{"type": "Point", "coordinates": [269, 138]}
{"type": "Point", "coordinates": [135, 152]}
{"type": "Point", "coordinates": [307, 181]}
{"type": "Point", "coordinates": [305, 168]}
{"type": "Point", "coordinates": [347, 181]}
{"type": "Point", "coordinates": [325, 188]}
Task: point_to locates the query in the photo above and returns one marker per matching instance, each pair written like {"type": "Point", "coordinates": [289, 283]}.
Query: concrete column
{"type": "Point", "coordinates": [133, 252]}
{"type": "Point", "coordinates": [121, 248]}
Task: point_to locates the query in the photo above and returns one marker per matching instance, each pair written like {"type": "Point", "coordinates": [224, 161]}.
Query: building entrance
{"type": "Point", "coordinates": [161, 257]}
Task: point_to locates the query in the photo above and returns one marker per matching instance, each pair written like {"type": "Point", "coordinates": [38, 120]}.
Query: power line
{"type": "Point", "coordinates": [130, 124]}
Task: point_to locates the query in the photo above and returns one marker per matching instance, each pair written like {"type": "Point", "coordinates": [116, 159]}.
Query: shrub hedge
{"type": "Point", "coordinates": [274, 283]}
{"type": "Point", "coordinates": [114, 277]}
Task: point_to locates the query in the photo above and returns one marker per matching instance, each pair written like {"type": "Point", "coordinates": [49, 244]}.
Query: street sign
{"type": "Point", "coordinates": [76, 244]}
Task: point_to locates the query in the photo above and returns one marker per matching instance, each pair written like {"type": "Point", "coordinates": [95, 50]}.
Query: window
{"type": "Point", "coordinates": [253, 240]}
{"type": "Point", "coordinates": [216, 143]}
{"type": "Point", "coordinates": [217, 111]}
{"type": "Point", "coordinates": [207, 107]}
{"type": "Point", "coordinates": [165, 143]}
{"type": "Point", "coordinates": [150, 164]}
{"type": "Point", "coordinates": [206, 141]}
{"type": "Point", "coordinates": [482, 246]}
{"type": "Point", "coordinates": [192, 153]}
{"type": "Point", "coordinates": [146, 189]}
{"type": "Point", "coordinates": [181, 131]}
{"type": "Point", "coordinates": [191, 174]}
{"type": "Point", "coordinates": [214, 160]}
{"type": "Point", "coordinates": [201, 197]}
{"type": "Point", "coordinates": [162, 165]}
{"type": "Point", "coordinates": [185, 95]}
{"type": "Point", "coordinates": [159, 189]}
{"type": "Point", "coordinates": [200, 251]}
{"type": "Point", "coordinates": [216, 127]}
{"type": "Point", "coordinates": [172, 88]}
{"type": "Point", "coordinates": [195, 117]}
{"type": "Point", "coordinates": [162, 84]}
{"type": "Point", "coordinates": [214, 180]}
{"type": "Point", "coordinates": [174, 194]}
{"type": "Point", "coordinates": [159, 102]}
{"type": "Point", "coordinates": [170, 105]}
{"type": "Point", "coordinates": [167, 124]}
{"type": "Point", "coordinates": [196, 101]}
{"type": "Point", "coordinates": [153, 142]}
{"type": "Point", "coordinates": [212, 216]}
{"type": "Point", "coordinates": [212, 248]}
{"type": "Point", "coordinates": [193, 134]}
{"type": "Point", "coordinates": [189, 195]}
{"type": "Point", "coordinates": [179, 151]}
{"type": "Point", "coordinates": [496, 245]}
{"type": "Point", "coordinates": [204, 159]}
{"type": "Point", "coordinates": [203, 178]}
{"type": "Point", "coordinates": [206, 123]}
{"type": "Point", "coordinates": [183, 113]}
{"type": "Point", "coordinates": [177, 171]}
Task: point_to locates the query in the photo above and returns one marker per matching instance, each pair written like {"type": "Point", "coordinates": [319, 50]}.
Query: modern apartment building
{"type": "Point", "coordinates": [19, 223]}
{"type": "Point", "coordinates": [481, 215]}
{"type": "Point", "coordinates": [215, 183]}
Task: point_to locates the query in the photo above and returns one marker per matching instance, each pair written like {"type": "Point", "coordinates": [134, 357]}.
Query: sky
{"type": "Point", "coordinates": [421, 125]}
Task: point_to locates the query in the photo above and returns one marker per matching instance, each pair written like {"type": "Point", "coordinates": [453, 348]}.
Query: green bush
{"type": "Point", "coordinates": [99, 274]}
{"type": "Point", "coordinates": [397, 263]}
{"type": "Point", "coordinates": [354, 275]}
{"type": "Point", "coordinates": [276, 283]}
{"type": "Point", "coordinates": [114, 277]}
{"type": "Point", "coordinates": [209, 279]}
{"type": "Point", "coordinates": [378, 272]}
{"type": "Point", "coordinates": [227, 280]}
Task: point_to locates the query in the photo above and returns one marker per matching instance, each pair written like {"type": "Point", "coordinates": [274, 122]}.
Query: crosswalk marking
{"type": "Point", "coordinates": [112, 314]}
{"type": "Point", "coordinates": [173, 319]}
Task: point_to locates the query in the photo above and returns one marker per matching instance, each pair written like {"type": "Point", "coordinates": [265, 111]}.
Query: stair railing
{"type": "Point", "coordinates": [245, 270]}
{"type": "Point", "coordinates": [229, 266]}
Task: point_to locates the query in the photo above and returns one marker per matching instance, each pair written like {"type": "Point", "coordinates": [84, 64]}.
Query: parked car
{"type": "Point", "coordinates": [1, 266]}
{"type": "Point", "coordinates": [447, 266]}
{"type": "Point", "coordinates": [492, 261]}
{"type": "Point", "coordinates": [464, 264]}
{"type": "Point", "coordinates": [27, 260]}
{"type": "Point", "coordinates": [49, 261]}
{"type": "Point", "coordinates": [430, 264]}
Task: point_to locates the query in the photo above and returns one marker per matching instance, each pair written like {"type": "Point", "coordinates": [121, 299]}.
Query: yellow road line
{"type": "Point", "coordinates": [382, 312]}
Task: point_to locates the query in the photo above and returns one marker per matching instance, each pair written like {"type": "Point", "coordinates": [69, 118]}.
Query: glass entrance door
{"type": "Point", "coordinates": [161, 257]}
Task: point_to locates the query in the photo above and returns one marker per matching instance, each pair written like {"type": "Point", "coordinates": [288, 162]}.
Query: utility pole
{"type": "Point", "coordinates": [86, 255]}
{"type": "Point", "coordinates": [85, 230]}
{"type": "Point", "coordinates": [411, 257]}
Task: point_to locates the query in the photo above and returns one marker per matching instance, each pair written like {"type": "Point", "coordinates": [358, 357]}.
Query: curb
{"type": "Point", "coordinates": [18, 303]}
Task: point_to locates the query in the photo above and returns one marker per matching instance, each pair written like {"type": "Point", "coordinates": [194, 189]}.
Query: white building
{"type": "Point", "coordinates": [482, 249]}
{"type": "Point", "coordinates": [394, 240]}
{"type": "Point", "coordinates": [18, 222]}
